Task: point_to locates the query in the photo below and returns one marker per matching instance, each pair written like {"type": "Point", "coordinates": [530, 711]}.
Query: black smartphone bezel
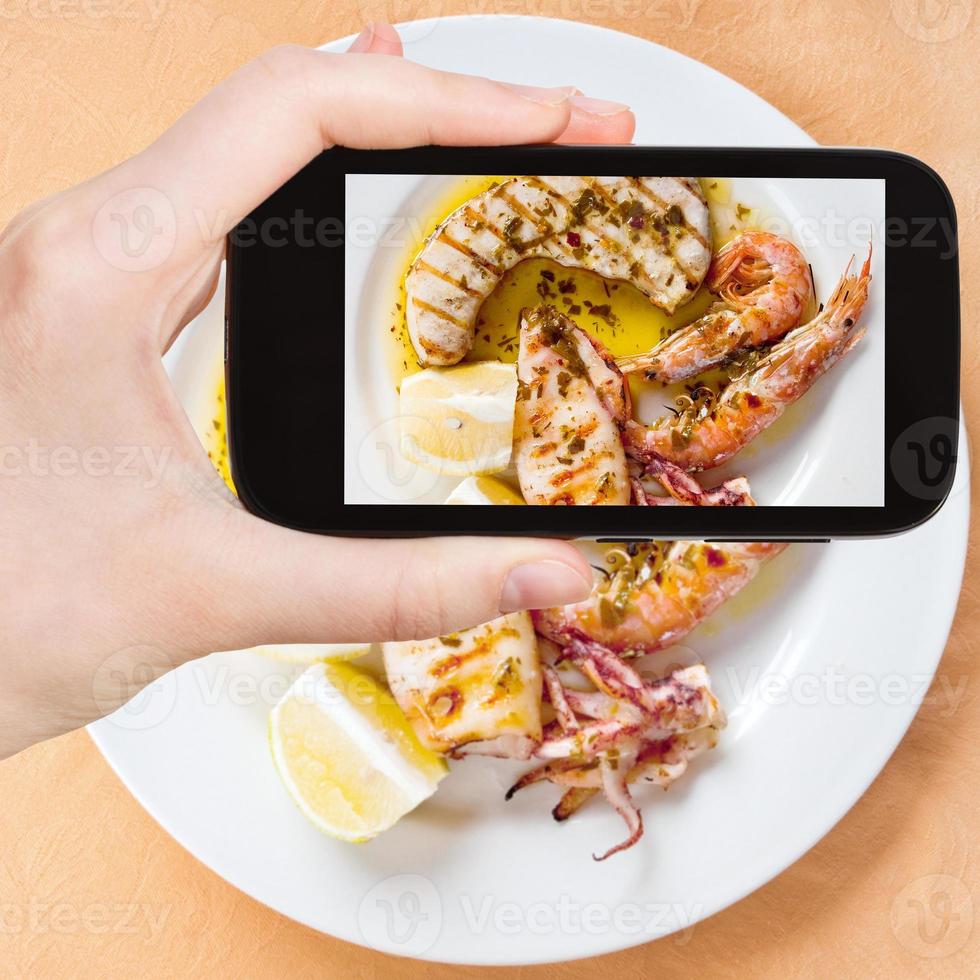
{"type": "Point", "coordinates": [284, 347]}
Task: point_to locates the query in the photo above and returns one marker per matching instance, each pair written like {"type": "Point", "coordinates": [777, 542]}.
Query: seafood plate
{"type": "Point", "coordinates": [606, 341]}
{"type": "Point", "coordinates": [782, 774]}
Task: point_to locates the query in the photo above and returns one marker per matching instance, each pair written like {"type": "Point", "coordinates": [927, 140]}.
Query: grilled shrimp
{"type": "Point", "coordinates": [708, 435]}
{"type": "Point", "coordinates": [571, 403]}
{"type": "Point", "coordinates": [655, 595]}
{"type": "Point", "coordinates": [764, 283]}
{"type": "Point", "coordinates": [653, 232]}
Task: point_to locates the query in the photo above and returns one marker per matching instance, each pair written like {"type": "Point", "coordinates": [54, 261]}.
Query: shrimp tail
{"type": "Point", "coordinates": [850, 295]}
{"type": "Point", "coordinates": [686, 352]}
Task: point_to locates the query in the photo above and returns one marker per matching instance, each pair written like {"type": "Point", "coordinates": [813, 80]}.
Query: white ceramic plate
{"type": "Point", "coordinates": [820, 664]}
{"type": "Point", "coordinates": [803, 460]}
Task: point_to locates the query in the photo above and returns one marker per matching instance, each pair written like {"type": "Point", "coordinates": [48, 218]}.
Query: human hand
{"type": "Point", "coordinates": [124, 554]}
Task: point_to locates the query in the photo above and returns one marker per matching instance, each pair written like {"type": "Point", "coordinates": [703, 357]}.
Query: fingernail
{"type": "Point", "coordinates": [543, 96]}
{"type": "Point", "coordinates": [542, 584]}
{"type": "Point", "coordinates": [598, 107]}
{"type": "Point", "coordinates": [363, 40]}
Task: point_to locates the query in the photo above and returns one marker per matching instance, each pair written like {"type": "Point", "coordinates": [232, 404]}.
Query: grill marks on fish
{"type": "Point", "coordinates": [436, 311]}
{"type": "Point", "coordinates": [460, 284]}
{"type": "Point", "coordinates": [650, 231]}
{"type": "Point", "coordinates": [665, 204]}
{"type": "Point", "coordinates": [464, 249]}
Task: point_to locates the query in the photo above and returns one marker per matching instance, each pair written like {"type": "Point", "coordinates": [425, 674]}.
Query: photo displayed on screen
{"type": "Point", "coordinates": [569, 340]}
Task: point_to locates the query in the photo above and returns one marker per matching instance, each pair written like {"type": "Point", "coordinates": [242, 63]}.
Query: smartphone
{"type": "Point", "coordinates": [439, 341]}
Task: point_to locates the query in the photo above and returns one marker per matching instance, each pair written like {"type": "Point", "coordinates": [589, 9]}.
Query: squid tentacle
{"type": "Point", "coordinates": [629, 729]}
{"type": "Point", "coordinates": [615, 786]}
{"type": "Point", "coordinates": [572, 800]}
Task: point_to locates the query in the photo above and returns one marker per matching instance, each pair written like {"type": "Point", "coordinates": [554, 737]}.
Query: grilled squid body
{"type": "Point", "coordinates": [479, 688]}
{"type": "Point", "coordinates": [570, 404]}
{"type": "Point", "coordinates": [653, 232]}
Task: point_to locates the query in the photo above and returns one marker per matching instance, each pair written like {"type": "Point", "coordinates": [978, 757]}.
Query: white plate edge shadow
{"type": "Point", "coordinates": [956, 512]}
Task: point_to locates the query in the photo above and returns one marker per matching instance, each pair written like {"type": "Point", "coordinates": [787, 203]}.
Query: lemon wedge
{"type": "Point", "coordinates": [346, 753]}
{"type": "Point", "coordinates": [311, 653]}
{"type": "Point", "coordinates": [484, 490]}
{"type": "Point", "coordinates": [459, 421]}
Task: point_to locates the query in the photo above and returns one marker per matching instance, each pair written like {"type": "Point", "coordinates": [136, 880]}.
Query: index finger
{"type": "Point", "coordinates": [267, 120]}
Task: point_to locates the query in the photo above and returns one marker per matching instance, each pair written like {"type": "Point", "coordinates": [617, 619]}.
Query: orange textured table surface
{"type": "Point", "coordinates": [90, 885]}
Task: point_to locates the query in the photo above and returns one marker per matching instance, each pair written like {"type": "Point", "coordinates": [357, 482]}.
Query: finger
{"type": "Point", "coordinates": [374, 39]}
{"type": "Point", "coordinates": [591, 121]}
{"type": "Point", "coordinates": [377, 39]}
{"type": "Point", "coordinates": [266, 121]}
{"type": "Point", "coordinates": [598, 121]}
{"type": "Point", "coordinates": [267, 584]}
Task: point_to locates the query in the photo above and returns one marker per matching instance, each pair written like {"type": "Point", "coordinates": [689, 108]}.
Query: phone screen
{"type": "Point", "coordinates": [614, 340]}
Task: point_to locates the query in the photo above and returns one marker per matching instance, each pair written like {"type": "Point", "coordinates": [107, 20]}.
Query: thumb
{"type": "Point", "coordinates": [268, 584]}
{"type": "Point", "coordinates": [377, 39]}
